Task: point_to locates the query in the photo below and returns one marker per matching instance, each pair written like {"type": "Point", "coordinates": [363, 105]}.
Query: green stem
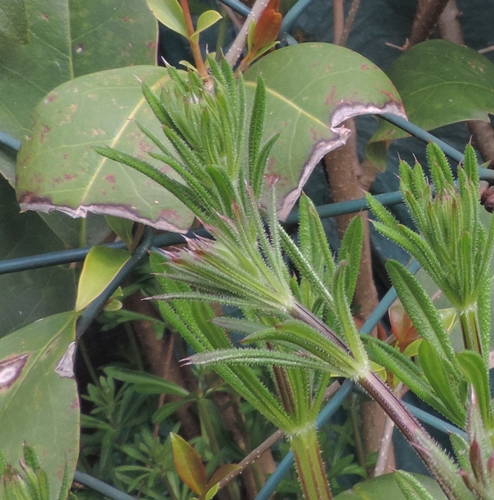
{"type": "Point", "coordinates": [470, 328]}
{"type": "Point", "coordinates": [194, 46]}
{"type": "Point", "coordinates": [310, 467]}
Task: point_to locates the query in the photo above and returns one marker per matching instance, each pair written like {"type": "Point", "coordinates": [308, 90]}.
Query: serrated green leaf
{"type": "Point", "coordinates": [411, 487]}
{"type": "Point", "coordinates": [401, 366]}
{"type": "Point", "coordinates": [259, 357]}
{"type": "Point", "coordinates": [351, 251]}
{"type": "Point", "coordinates": [420, 308]}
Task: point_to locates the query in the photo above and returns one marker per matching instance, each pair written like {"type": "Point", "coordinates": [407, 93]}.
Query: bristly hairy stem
{"type": "Point", "coordinates": [422, 442]}
{"type": "Point", "coordinates": [310, 467]}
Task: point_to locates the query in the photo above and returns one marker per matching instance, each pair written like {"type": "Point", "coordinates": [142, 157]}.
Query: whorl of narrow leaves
{"type": "Point", "coordinates": [452, 247]}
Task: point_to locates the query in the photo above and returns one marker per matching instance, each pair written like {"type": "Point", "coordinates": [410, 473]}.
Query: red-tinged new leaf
{"type": "Point", "coordinates": [402, 326]}
{"type": "Point", "coordinates": [188, 464]}
{"type": "Point", "coordinates": [268, 26]}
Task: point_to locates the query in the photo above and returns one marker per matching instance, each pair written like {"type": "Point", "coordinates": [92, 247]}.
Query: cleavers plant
{"type": "Point", "coordinates": [297, 319]}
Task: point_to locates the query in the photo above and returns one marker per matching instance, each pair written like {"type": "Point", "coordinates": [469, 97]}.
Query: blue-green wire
{"type": "Point", "coordinates": [90, 313]}
{"type": "Point", "coordinates": [9, 141]}
{"type": "Point", "coordinates": [101, 487]}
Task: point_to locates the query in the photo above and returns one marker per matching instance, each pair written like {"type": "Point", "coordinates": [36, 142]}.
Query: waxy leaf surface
{"type": "Point", "coordinates": [67, 39]}
{"type": "Point", "coordinates": [311, 90]}
{"type": "Point", "coordinates": [13, 22]}
{"type": "Point", "coordinates": [440, 83]}
{"type": "Point", "coordinates": [26, 296]}
{"type": "Point", "coordinates": [57, 167]}
{"type": "Point", "coordinates": [39, 404]}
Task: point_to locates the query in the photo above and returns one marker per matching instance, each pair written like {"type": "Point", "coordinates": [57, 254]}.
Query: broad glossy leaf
{"type": "Point", "coordinates": [440, 83]}
{"type": "Point", "coordinates": [122, 228]}
{"type": "Point", "coordinates": [13, 22]}
{"type": "Point", "coordinates": [170, 14]}
{"type": "Point", "coordinates": [68, 38]}
{"type": "Point", "coordinates": [100, 267]}
{"type": "Point", "coordinates": [39, 404]}
{"type": "Point", "coordinates": [206, 19]}
{"type": "Point", "coordinates": [57, 167]}
{"type": "Point", "coordinates": [29, 295]}
{"type": "Point", "coordinates": [188, 464]}
{"type": "Point", "coordinates": [311, 90]}
{"type": "Point", "coordinates": [386, 487]}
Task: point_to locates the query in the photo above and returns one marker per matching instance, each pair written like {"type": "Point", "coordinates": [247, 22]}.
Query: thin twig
{"type": "Point", "coordinates": [233, 17]}
{"type": "Point", "coordinates": [268, 443]}
{"type": "Point", "coordinates": [239, 43]}
{"type": "Point", "coordinates": [338, 21]}
{"type": "Point", "coordinates": [352, 13]}
{"type": "Point", "coordinates": [426, 18]}
{"type": "Point", "coordinates": [486, 49]}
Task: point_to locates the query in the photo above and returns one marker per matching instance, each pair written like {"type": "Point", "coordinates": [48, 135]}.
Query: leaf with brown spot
{"type": "Point", "coordinates": [58, 169]}
{"type": "Point", "coordinates": [38, 405]}
{"type": "Point", "coordinates": [311, 89]}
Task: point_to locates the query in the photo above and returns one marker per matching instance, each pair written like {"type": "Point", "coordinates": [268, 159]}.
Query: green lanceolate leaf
{"type": "Point", "coordinates": [259, 357]}
{"type": "Point", "coordinates": [473, 367]}
{"type": "Point", "coordinates": [344, 314]}
{"type": "Point", "coordinates": [146, 382]}
{"type": "Point", "coordinates": [188, 464]}
{"type": "Point", "coordinates": [439, 378]}
{"type": "Point", "coordinates": [406, 370]}
{"type": "Point", "coordinates": [313, 242]}
{"type": "Point", "coordinates": [350, 251]}
{"type": "Point", "coordinates": [420, 309]}
{"type": "Point", "coordinates": [304, 267]}
{"type": "Point", "coordinates": [411, 488]}
{"type": "Point", "coordinates": [330, 351]}
{"type": "Point", "coordinates": [256, 170]}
